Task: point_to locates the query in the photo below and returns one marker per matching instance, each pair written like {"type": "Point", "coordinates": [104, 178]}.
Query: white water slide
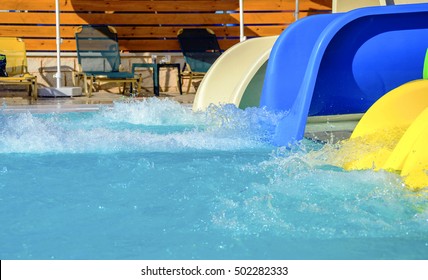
{"type": "Point", "coordinates": [340, 6]}
{"type": "Point", "coordinates": [237, 75]}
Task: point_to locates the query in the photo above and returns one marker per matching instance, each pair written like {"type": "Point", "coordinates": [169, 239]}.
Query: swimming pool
{"type": "Point", "coordinates": [153, 180]}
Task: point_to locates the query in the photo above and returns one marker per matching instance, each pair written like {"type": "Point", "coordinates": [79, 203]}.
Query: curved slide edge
{"type": "Point", "coordinates": [235, 75]}
{"type": "Point", "coordinates": [403, 115]}
{"type": "Point", "coordinates": [397, 108]}
{"type": "Point", "coordinates": [290, 60]}
{"type": "Point", "coordinates": [342, 64]}
{"type": "Point", "coordinates": [415, 167]}
{"type": "Point", "coordinates": [386, 127]}
{"type": "Point", "coordinates": [340, 6]}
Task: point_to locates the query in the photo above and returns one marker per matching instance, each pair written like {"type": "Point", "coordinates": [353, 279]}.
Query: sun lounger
{"type": "Point", "coordinates": [99, 59]}
{"type": "Point", "coordinates": [16, 67]}
{"type": "Point", "coordinates": [200, 49]}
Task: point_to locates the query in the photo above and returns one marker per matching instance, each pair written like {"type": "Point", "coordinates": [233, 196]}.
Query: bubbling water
{"type": "Point", "coordinates": [152, 124]}
{"type": "Point", "coordinates": [180, 184]}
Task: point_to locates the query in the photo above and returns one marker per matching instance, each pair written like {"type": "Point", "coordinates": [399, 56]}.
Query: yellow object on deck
{"type": "Point", "coordinates": [16, 67]}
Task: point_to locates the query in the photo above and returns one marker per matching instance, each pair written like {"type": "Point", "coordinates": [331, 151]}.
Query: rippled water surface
{"type": "Point", "coordinates": [153, 180]}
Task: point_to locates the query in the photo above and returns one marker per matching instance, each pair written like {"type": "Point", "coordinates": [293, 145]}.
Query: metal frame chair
{"type": "Point", "coordinates": [99, 61]}
{"type": "Point", "coordinates": [16, 67]}
{"type": "Point", "coordinates": [200, 50]}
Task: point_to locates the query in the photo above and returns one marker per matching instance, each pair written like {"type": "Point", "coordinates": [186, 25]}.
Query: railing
{"type": "Point", "coordinates": [145, 26]}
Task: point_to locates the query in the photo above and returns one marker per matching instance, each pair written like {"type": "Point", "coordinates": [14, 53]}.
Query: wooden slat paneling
{"type": "Point", "coordinates": [125, 45]}
{"type": "Point", "coordinates": [123, 5]}
{"type": "Point", "coordinates": [139, 31]}
{"type": "Point", "coordinates": [144, 25]}
{"type": "Point", "coordinates": [163, 6]}
{"type": "Point", "coordinates": [33, 18]}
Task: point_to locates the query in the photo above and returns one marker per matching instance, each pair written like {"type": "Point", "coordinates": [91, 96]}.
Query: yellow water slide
{"type": "Point", "coordinates": [237, 75]}
{"type": "Point", "coordinates": [393, 135]}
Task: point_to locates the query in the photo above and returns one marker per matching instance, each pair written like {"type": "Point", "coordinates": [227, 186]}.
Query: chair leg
{"type": "Point", "coordinates": [121, 86]}
{"type": "Point", "coordinates": [135, 85]}
{"type": "Point", "coordinates": [73, 78]}
{"type": "Point", "coordinates": [180, 84]}
{"type": "Point", "coordinates": [189, 84]}
{"type": "Point", "coordinates": [29, 88]}
{"type": "Point", "coordinates": [125, 86]}
{"type": "Point", "coordinates": [80, 80]}
{"type": "Point", "coordinates": [139, 83]}
{"type": "Point", "coordinates": [84, 79]}
{"type": "Point", "coordinates": [76, 79]}
{"type": "Point", "coordinates": [180, 81]}
{"type": "Point", "coordinates": [34, 93]}
{"type": "Point", "coordinates": [91, 84]}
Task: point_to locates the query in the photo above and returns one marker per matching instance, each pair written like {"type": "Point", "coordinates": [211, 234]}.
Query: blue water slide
{"type": "Point", "coordinates": [342, 63]}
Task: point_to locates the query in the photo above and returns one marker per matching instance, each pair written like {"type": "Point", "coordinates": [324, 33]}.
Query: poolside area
{"type": "Point", "coordinates": [20, 98]}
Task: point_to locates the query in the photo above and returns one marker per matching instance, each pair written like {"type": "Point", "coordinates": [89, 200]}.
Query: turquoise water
{"type": "Point", "coordinates": [152, 180]}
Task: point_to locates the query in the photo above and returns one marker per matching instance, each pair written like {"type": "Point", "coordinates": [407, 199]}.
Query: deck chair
{"type": "Point", "coordinates": [16, 65]}
{"type": "Point", "coordinates": [200, 49]}
{"type": "Point", "coordinates": [98, 56]}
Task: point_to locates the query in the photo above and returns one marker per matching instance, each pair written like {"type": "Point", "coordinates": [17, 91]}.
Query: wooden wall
{"type": "Point", "coordinates": [149, 25]}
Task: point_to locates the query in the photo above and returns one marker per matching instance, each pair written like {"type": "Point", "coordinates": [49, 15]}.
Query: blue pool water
{"type": "Point", "coordinates": [152, 180]}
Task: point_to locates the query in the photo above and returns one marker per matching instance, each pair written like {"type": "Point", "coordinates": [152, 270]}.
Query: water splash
{"type": "Point", "coordinates": [253, 123]}
{"type": "Point", "coordinates": [304, 196]}
{"type": "Point", "coordinates": [226, 188]}
{"type": "Point", "coordinates": [151, 111]}
{"type": "Point", "coordinates": [149, 125]}
{"type": "Point", "coordinates": [332, 209]}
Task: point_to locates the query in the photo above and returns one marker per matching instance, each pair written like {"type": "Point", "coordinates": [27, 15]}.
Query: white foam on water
{"type": "Point", "coordinates": [149, 125]}
{"type": "Point", "coordinates": [302, 198]}
{"type": "Point", "coordinates": [169, 175]}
